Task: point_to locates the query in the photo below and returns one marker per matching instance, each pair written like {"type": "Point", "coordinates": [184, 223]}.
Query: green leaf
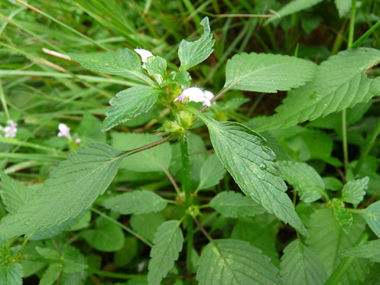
{"type": "Point", "coordinates": [293, 7]}
{"type": "Point", "coordinates": [146, 225]}
{"type": "Point", "coordinates": [234, 205]}
{"type": "Point", "coordinates": [182, 78]}
{"type": "Point", "coordinates": [372, 217]}
{"type": "Point", "coordinates": [252, 166]}
{"type": "Point", "coordinates": [370, 250]}
{"type": "Point", "coordinates": [73, 186]}
{"type": "Point", "coordinates": [135, 202]}
{"type": "Point", "coordinates": [328, 240]}
{"type": "Point", "coordinates": [14, 194]}
{"type": "Point", "coordinates": [343, 6]}
{"type": "Point", "coordinates": [124, 62]}
{"type": "Point", "coordinates": [106, 236]}
{"type": "Point", "coordinates": [125, 255]}
{"type": "Point", "coordinates": [332, 183]}
{"type": "Point", "coordinates": [51, 274]}
{"type": "Point", "coordinates": [152, 159]}
{"type": "Point", "coordinates": [230, 261]}
{"type": "Point", "coordinates": [344, 217]}
{"type": "Point", "coordinates": [353, 192]}
{"type": "Point", "coordinates": [339, 83]}
{"type": "Point", "coordinates": [304, 179]}
{"type": "Point", "coordinates": [299, 265]}
{"type": "Point", "coordinates": [167, 242]}
{"type": "Point", "coordinates": [235, 103]}
{"type": "Point", "coordinates": [48, 253]}
{"type": "Point", "coordinates": [11, 274]}
{"type": "Point", "coordinates": [212, 172]}
{"type": "Point", "coordinates": [129, 103]}
{"type": "Point", "coordinates": [156, 65]}
{"type": "Point", "coordinates": [267, 72]}
{"type": "Point", "coordinates": [193, 53]}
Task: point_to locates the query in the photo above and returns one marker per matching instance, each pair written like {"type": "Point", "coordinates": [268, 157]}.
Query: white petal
{"type": "Point", "coordinates": [144, 54]}
{"type": "Point", "coordinates": [65, 130]}
{"type": "Point", "coordinates": [194, 94]}
{"type": "Point", "coordinates": [208, 95]}
{"type": "Point", "coordinates": [206, 102]}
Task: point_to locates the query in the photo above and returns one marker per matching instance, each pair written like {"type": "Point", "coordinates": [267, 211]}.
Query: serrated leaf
{"type": "Point", "coordinates": [234, 205]}
{"type": "Point", "coordinates": [124, 62]}
{"type": "Point", "coordinates": [106, 236]}
{"type": "Point", "coordinates": [11, 274]}
{"type": "Point", "coordinates": [343, 6]}
{"type": "Point", "coordinates": [344, 217]}
{"type": "Point", "coordinates": [332, 183]}
{"type": "Point", "coordinates": [252, 166]}
{"type": "Point", "coordinates": [372, 217]}
{"type": "Point", "coordinates": [152, 159]}
{"type": "Point", "coordinates": [13, 194]}
{"type": "Point", "coordinates": [370, 250]}
{"type": "Point", "coordinates": [304, 179]}
{"type": "Point", "coordinates": [267, 72]}
{"type": "Point", "coordinates": [353, 192]}
{"type": "Point", "coordinates": [300, 266]}
{"type": "Point", "coordinates": [212, 171]}
{"type": "Point", "coordinates": [135, 202]}
{"type": "Point", "coordinates": [193, 53]}
{"type": "Point", "coordinates": [48, 253]}
{"type": "Point", "coordinates": [293, 7]}
{"type": "Point", "coordinates": [156, 65]}
{"type": "Point", "coordinates": [51, 275]}
{"type": "Point", "coordinates": [182, 78]}
{"type": "Point", "coordinates": [146, 225]}
{"type": "Point", "coordinates": [230, 261]}
{"type": "Point", "coordinates": [167, 242]}
{"type": "Point", "coordinates": [328, 240]}
{"type": "Point", "coordinates": [73, 186]}
{"type": "Point", "coordinates": [339, 83]}
{"type": "Point", "coordinates": [129, 103]}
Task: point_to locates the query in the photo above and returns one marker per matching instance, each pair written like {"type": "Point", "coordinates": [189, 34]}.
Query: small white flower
{"type": "Point", "coordinates": [196, 94]}
{"type": "Point", "coordinates": [140, 266]}
{"type": "Point", "coordinates": [77, 140]}
{"type": "Point", "coordinates": [144, 55]}
{"type": "Point", "coordinates": [12, 124]}
{"type": "Point", "coordinates": [64, 131]}
{"type": "Point", "coordinates": [10, 132]}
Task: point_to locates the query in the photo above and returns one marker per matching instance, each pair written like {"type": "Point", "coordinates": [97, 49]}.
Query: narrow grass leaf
{"type": "Point", "coordinates": [230, 261]}
{"type": "Point", "coordinates": [128, 104]}
{"type": "Point", "coordinates": [72, 187]}
{"type": "Point", "coordinates": [168, 243]}
{"type": "Point", "coordinates": [300, 266]}
{"type": "Point", "coordinates": [339, 83]}
{"type": "Point", "coordinates": [135, 202]}
{"type": "Point", "coordinates": [193, 53]}
{"type": "Point", "coordinates": [234, 205]}
{"type": "Point", "coordinates": [267, 72]}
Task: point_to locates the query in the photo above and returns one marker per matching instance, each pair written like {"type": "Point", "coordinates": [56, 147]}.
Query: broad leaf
{"type": "Point", "coordinates": [251, 164]}
{"type": "Point", "coordinates": [370, 250]}
{"type": "Point", "coordinates": [14, 195]}
{"type": "Point", "coordinates": [293, 7]}
{"type": "Point", "coordinates": [11, 274]}
{"type": "Point", "coordinates": [106, 236]}
{"type": "Point", "coordinates": [212, 172]}
{"type": "Point", "coordinates": [124, 62]}
{"type": "Point", "coordinates": [344, 217]}
{"type": "Point", "coordinates": [152, 159]}
{"type": "Point", "coordinates": [353, 192]}
{"type": "Point", "coordinates": [328, 240]}
{"type": "Point", "coordinates": [304, 179]}
{"type": "Point", "coordinates": [332, 183]}
{"type": "Point", "coordinates": [156, 65]}
{"type": "Point", "coordinates": [124, 256]}
{"type": "Point", "coordinates": [167, 245]}
{"type": "Point", "coordinates": [51, 274]}
{"type": "Point", "coordinates": [234, 205]}
{"type": "Point", "coordinates": [300, 266]}
{"type": "Point", "coordinates": [193, 53]}
{"type": "Point", "coordinates": [73, 186]}
{"type": "Point", "coordinates": [339, 83]}
{"type": "Point", "coordinates": [372, 217]}
{"type": "Point", "coordinates": [343, 6]}
{"type": "Point", "coordinates": [129, 103]}
{"type": "Point", "coordinates": [146, 225]}
{"type": "Point", "coordinates": [135, 202]}
{"type": "Point", "coordinates": [230, 261]}
{"type": "Point", "coordinates": [267, 72]}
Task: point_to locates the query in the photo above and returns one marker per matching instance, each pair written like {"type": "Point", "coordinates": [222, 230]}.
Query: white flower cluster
{"type": "Point", "coordinates": [64, 131]}
{"type": "Point", "coordinates": [144, 54]}
{"type": "Point", "coordinates": [196, 94]}
{"type": "Point", "coordinates": [10, 130]}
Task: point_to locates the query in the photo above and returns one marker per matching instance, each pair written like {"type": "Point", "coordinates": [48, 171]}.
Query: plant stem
{"type": "Point", "coordinates": [186, 188]}
{"type": "Point", "coordinates": [114, 275]}
{"type": "Point", "coordinates": [346, 262]}
{"type": "Point", "coordinates": [3, 101]}
{"type": "Point", "coordinates": [367, 147]}
{"type": "Point", "coordinates": [122, 226]}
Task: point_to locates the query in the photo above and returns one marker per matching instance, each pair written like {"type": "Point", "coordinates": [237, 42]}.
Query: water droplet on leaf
{"type": "Point", "coordinates": [314, 96]}
{"type": "Point", "coordinates": [263, 166]}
